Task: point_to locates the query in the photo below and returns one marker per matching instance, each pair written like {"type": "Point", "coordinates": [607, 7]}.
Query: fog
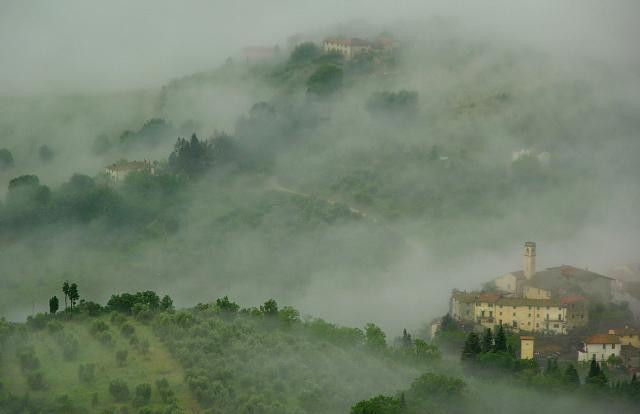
{"type": "Point", "coordinates": [74, 70]}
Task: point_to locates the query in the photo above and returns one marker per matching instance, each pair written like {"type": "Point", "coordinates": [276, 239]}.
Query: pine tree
{"type": "Point", "coordinates": [500, 344]}
{"type": "Point", "coordinates": [487, 341]}
{"type": "Point", "coordinates": [471, 347]}
{"type": "Point", "coordinates": [406, 339]}
{"type": "Point", "coordinates": [571, 376]}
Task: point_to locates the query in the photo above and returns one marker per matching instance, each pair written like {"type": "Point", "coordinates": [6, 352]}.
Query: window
{"type": "Point", "coordinates": [547, 308]}
{"type": "Point", "coordinates": [528, 323]}
{"type": "Point", "coordinates": [500, 313]}
{"type": "Point", "coordinates": [537, 325]}
{"type": "Point", "coordinates": [537, 315]}
{"type": "Point", "coordinates": [514, 314]}
{"type": "Point", "coordinates": [613, 346]}
{"type": "Point", "coordinates": [555, 325]}
{"type": "Point", "coordinates": [604, 346]}
{"type": "Point", "coordinates": [515, 324]}
{"type": "Point", "coordinates": [500, 321]}
{"type": "Point", "coordinates": [529, 307]}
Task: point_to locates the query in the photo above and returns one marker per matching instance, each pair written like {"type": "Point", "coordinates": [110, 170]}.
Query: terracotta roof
{"type": "Point", "coordinates": [528, 302]}
{"type": "Point", "coordinates": [602, 339]}
{"type": "Point", "coordinates": [625, 331]}
{"type": "Point", "coordinates": [489, 296]}
{"type": "Point", "coordinates": [569, 299]}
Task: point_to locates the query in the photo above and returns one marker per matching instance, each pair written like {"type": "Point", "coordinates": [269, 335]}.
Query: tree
{"type": "Point", "coordinates": [65, 290]}
{"type": "Point", "coordinates": [270, 308]}
{"type": "Point", "coordinates": [487, 341]}
{"type": "Point", "coordinates": [406, 341]}
{"type": "Point", "coordinates": [119, 390]}
{"type": "Point", "coordinates": [226, 306]}
{"type": "Point", "coordinates": [500, 343]}
{"type": "Point", "coordinates": [594, 368]}
{"type": "Point", "coordinates": [53, 305]}
{"type": "Point", "coordinates": [571, 376]}
{"type": "Point", "coordinates": [379, 405]}
{"type": "Point", "coordinates": [166, 304]}
{"type": "Point", "coordinates": [374, 337]}
{"type": "Point", "coordinates": [325, 80]}
{"type": "Point", "coordinates": [73, 294]}
{"type": "Point", "coordinates": [6, 159]}
{"type": "Point", "coordinates": [471, 347]}
{"type": "Point", "coordinates": [304, 53]}
{"type": "Point", "coordinates": [45, 153]}
{"type": "Point", "coordinates": [596, 376]}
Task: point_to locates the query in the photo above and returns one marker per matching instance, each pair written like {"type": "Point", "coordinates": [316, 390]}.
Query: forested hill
{"type": "Point", "coordinates": [399, 166]}
{"type": "Point", "coordinates": [139, 354]}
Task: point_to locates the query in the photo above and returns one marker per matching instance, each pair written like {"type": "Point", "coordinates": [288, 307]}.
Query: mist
{"type": "Point", "coordinates": [329, 204]}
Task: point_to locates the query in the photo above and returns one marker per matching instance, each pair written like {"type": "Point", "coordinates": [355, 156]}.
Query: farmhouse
{"type": "Point", "coordinates": [346, 47]}
{"type": "Point", "coordinates": [601, 347]}
{"type": "Point", "coordinates": [119, 170]}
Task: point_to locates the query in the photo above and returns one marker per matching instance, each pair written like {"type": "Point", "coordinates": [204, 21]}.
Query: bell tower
{"type": "Point", "coordinates": [529, 259]}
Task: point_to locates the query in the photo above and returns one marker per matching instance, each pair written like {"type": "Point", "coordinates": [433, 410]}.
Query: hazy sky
{"type": "Point", "coordinates": [81, 45]}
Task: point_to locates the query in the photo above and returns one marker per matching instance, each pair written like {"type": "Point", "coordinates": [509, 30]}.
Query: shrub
{"type": "Point", "coordinates": [143, 395]}
{"type": "Point", "coordinates": [87, 373]}
{"type": "Point", "coordinates": [28, 360]}
{"type": "Point", "coordinates": [98, 327]}
{"type": "Point", "coordinates": [121, 357]}
{"type": "Point", "coordinates": [35, 380]}
{"type": "Point", "coordinates": [106, 339]}
{"type": "Point", "coordinates": [119, 390]}
{"type": "Point", "coordinates": [127, 330]}
{"type": "Point", "coordinates": [54, 327]}
{"type": "Point", "coordinates": [37, 322]}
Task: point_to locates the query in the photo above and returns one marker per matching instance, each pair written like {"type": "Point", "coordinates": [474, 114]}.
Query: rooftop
{"type": "Point", "coordinates": [354, 41]}
{"type": "Point", "coordinates": [602, 339]}
{"type": "Point", "coordinates": [124, 165]}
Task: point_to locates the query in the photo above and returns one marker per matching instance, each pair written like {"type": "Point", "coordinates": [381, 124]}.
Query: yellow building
{"type": "Point", "coordinates": [526, 347]}
{"type": "Point", "coordinates": [520, 314]}
{"type": "Point", "coordinates": [628, 336]}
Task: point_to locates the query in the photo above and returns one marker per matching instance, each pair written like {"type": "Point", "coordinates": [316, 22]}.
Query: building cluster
{"type": "Point", "coordinates": [553, 301]}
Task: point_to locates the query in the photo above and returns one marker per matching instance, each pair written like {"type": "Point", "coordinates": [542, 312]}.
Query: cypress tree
{"type": "Point", "coordinates": [594, 368]}
{"type": "Point", "coordinates": [487, 341]}
{"type": "Point", "coordinates": [500, 344]}
{"type": "Point", "coordinates": [471, 347]}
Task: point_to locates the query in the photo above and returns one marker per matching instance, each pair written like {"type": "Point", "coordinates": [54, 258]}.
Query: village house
{"type": "Point", "coordinates": [601, 347]}
{"type": "Point", "coordinates": [577, 310]}
{"type": "Point", "coordinates": [119, 170]}
{"type": "Point", "coordinates": [346, 47]}
{"type": "Point", "coordinates": [519, 314]}
{"type": "Point", "coordinates": [628, 336]}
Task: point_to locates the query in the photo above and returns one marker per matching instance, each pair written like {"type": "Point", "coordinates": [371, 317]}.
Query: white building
{"type": "Point", "coordinates": [600, 347]}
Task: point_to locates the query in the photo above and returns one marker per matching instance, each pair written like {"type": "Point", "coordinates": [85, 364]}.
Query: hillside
{"type": "Point", "coordinates": [214, 358]}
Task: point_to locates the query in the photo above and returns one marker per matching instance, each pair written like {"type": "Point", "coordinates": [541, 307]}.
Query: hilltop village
{"type": "Point", "coordinates": [563, 312]}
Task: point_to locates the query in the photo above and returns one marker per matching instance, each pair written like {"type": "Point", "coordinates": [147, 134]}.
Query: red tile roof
{"type": "Point", "coordinates": [602, 339]}
{"type": "Point", "coordinates": [569, 299]}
